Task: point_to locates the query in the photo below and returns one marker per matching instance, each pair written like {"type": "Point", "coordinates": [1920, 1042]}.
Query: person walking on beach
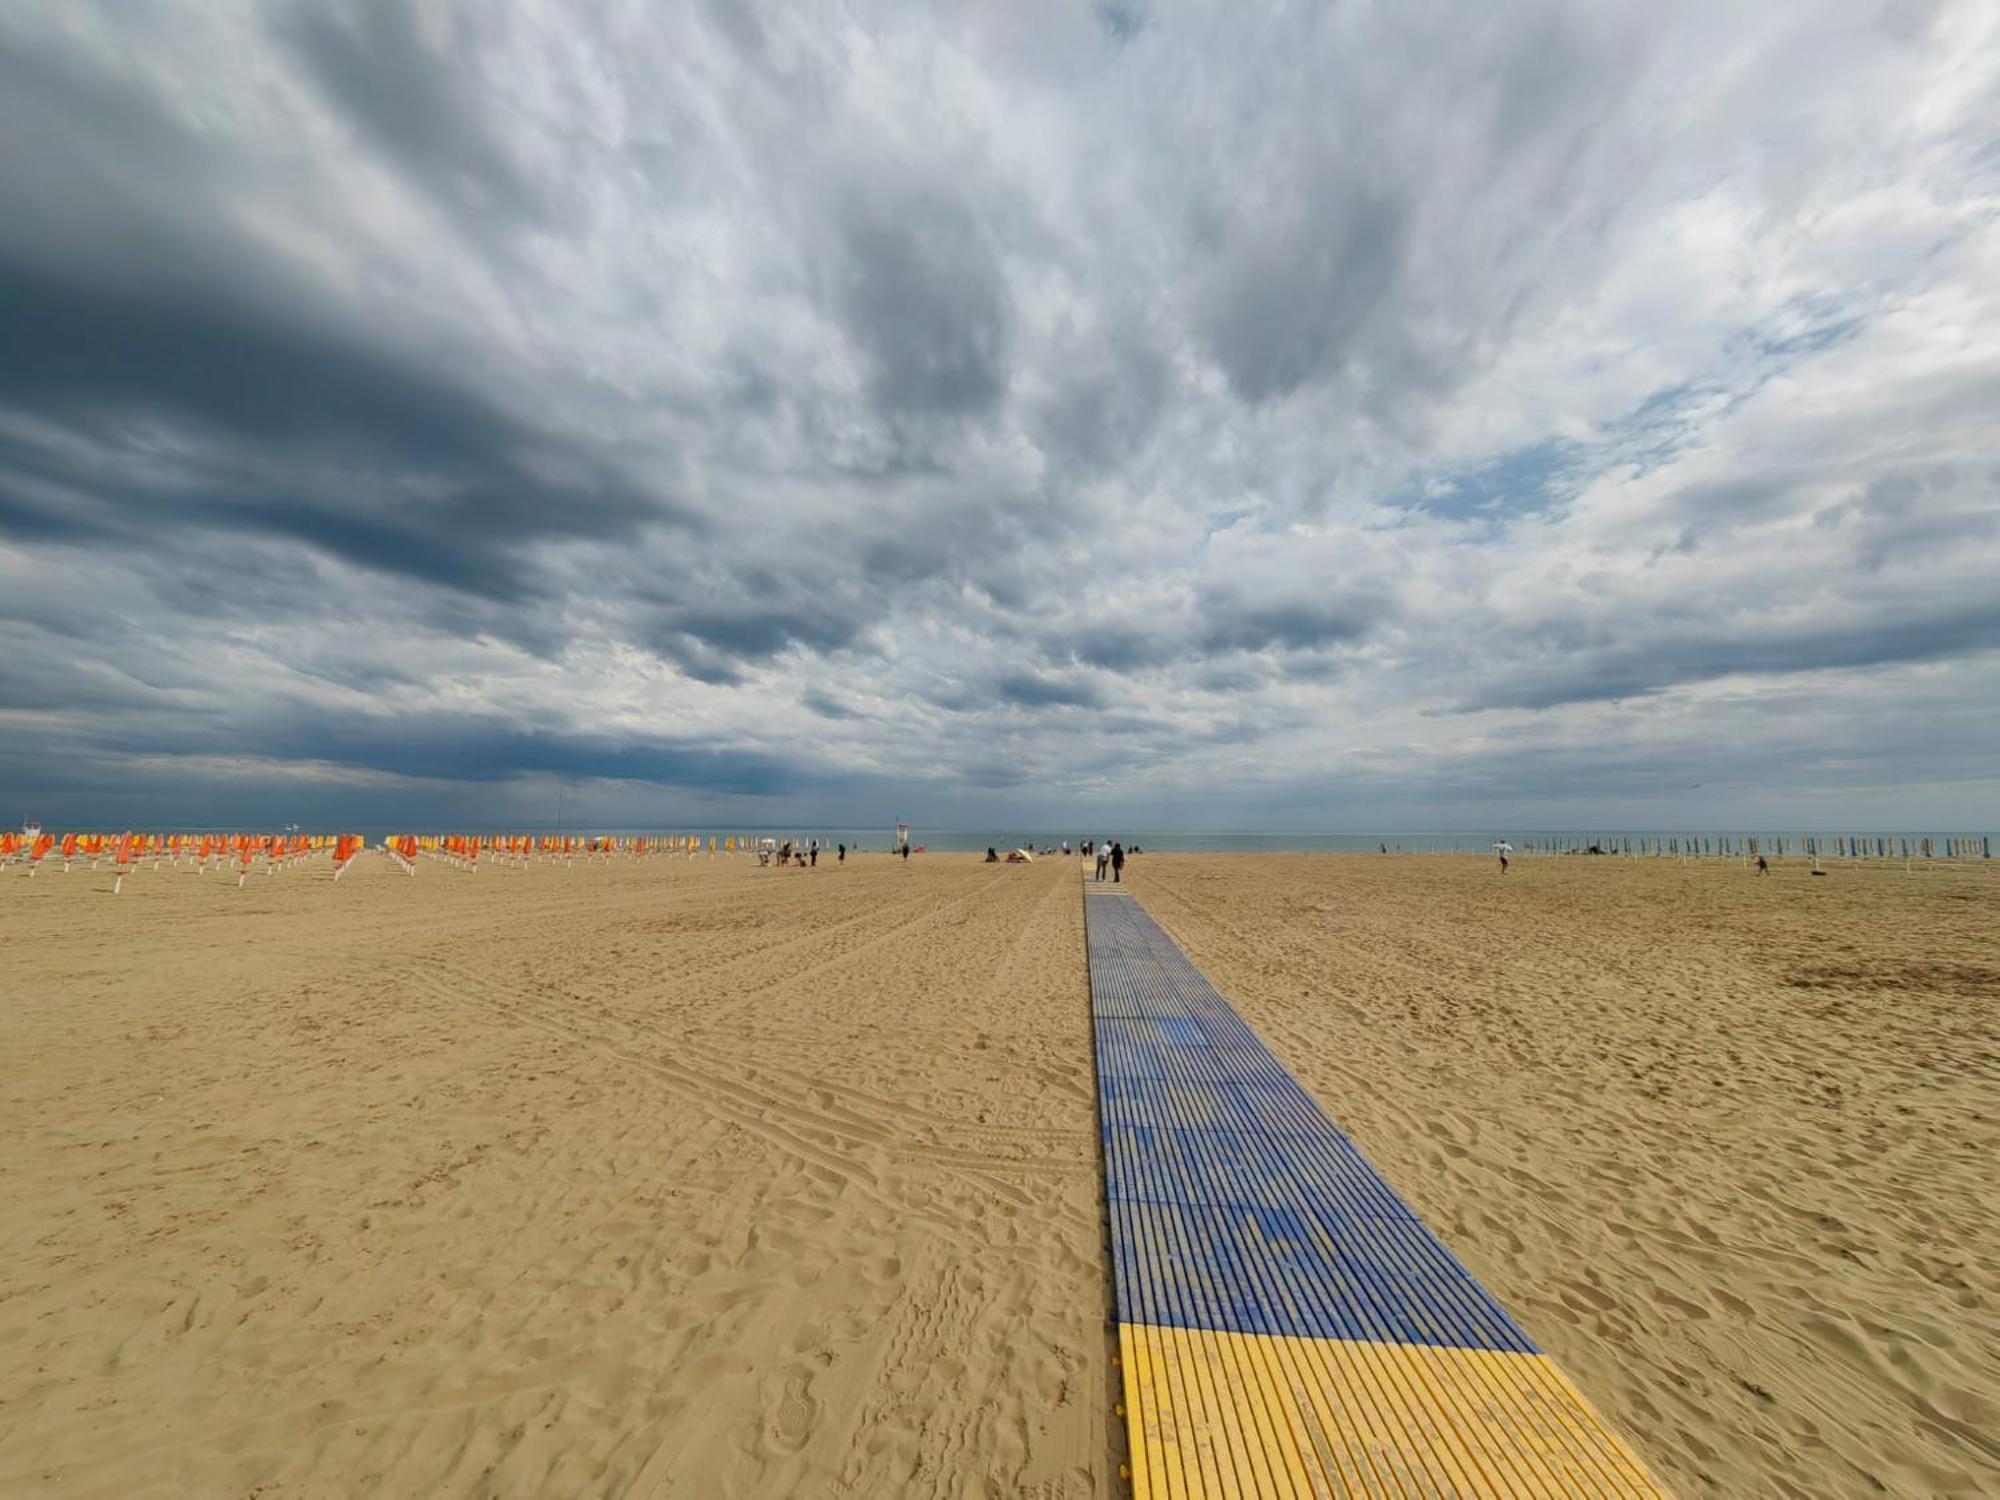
{"type": "Point", "coordinates": [1103, 857]}
{"type": "Point", "coordinates": [1117, 862]}
{"type": "Point", "coordinates": [813, 854]}
{"type": "Point", "coordinates": [843, 855]}
{"type": "Point", "coordinates": [1762, 867]}
{"type": "Point", "coordinates": [906, 853]}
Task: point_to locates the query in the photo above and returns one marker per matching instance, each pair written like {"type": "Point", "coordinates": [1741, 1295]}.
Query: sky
{"type": "Point", "coordinates": [1302, 417]}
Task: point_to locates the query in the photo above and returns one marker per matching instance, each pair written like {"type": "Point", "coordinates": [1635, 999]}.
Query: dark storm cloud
{"type": "Point", "coordinates": [825, 705]}
{"type": "Point", "coordinates": [41, 681]}
{"type": "Point", "coordinates": [193, 385]}
{"type": "Point", "coordinates": [1662, 661]}
{"type": "Point", "coordinates": [306, 436]}
{"type": "Point", "coordinates": [75, 349]}
{"type": "Point", "coordinates": [824, 588]}
{"type": "Point", "coordinates": [426, 744]}
{"type": "Point", "coordinates": [1030, 690]}
{"type": "Point", "coordinates": [716, 624]}
{"type": "Point", "coordinates": [1221, 625]}
{"type": "Point", "coordinates": [766, 622]}
{"type": "Point", "coordinates": [1231, 622]}
{"type": "Point", "coordinates": [1121, 648]}
{"type": "Point", "coordinates": [437, 747]}
{"type": "Point", "coordinates": [1235, 677]}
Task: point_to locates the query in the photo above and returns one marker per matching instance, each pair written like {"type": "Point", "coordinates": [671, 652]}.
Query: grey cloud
{"type": "Point", "coordinates": [1030, 690]}
{"type": "Point", "coordinates": [1233, 623]}
{"type": "Point", "coordinates": [1913, 517]}
{"type": "Point", "coordinates": [1752, 645]}
{"type": "Point", "coordinates": [1290, 302]}
{"type": "Point", "coordinates": [1108, 403]}
{"type": "Point", "coordinates": [1352, 247]}
{"type": "Point", "coordinates": [1233, 677]}
{"type": "Point", "coordinates": [825, 705]}
{"type": "Point", "coordinates": [1122, 18]}
{"type": "Point", "coordinates": [1122, 648]}
{"type": "Point", "coordinates": [427, 744]}
{"type": "Point", "coordinates": [824, 589]}
{"type": "Point", "coordinates": [440, 748]}
{"type": "Point", "coordinates": [295, 434]}
{"type": "Point", "coordinates": [1117, 410]}
{"type": "Point", "coordinates": [763, 625]}
{"type": "Point", "coordinates": [421, 102]}
{"type": "Point", "coordinates": [922, 295]}
{"type": "Point", "coordinates": [75, 349]}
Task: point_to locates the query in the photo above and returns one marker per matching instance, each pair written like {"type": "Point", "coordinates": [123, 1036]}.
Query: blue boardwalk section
{"type": "Point", "coordinates": [1288, 1326]}
{"type": "Point", "coordinates": [1243, 1207]}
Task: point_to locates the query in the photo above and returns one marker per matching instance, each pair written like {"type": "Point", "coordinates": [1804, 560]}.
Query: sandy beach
{"type": "Point", "coordinates": [682, 1177]}
{"type": "Point", "coordinates": [657, 1179]}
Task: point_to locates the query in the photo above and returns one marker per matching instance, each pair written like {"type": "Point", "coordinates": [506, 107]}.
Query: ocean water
{"type": "Point", "coordinates": [1475, 841]}
{"type": "Point", "coordinates": [1472, 841]}
{"type": "Point", "coordinates": [1868, 843]}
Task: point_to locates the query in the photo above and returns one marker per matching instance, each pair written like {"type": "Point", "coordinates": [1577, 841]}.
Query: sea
{"type": "Point", "coordinates": [1466, 841]}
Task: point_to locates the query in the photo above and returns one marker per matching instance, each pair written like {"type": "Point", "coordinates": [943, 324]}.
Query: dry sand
{"type": "Point", "coordinates": [1725, 1145]}
{"type": "Point", "coordinates": [676, 1178]}
{"type": "Point", "coordinates": [683, 1178]}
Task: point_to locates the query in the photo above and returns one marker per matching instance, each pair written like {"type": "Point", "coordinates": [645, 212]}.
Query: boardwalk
{"type": "Point", "coordinates": [1287, 1325]}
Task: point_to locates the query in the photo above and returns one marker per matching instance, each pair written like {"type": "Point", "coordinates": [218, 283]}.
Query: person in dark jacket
{"type": "Point", "coordinates": [1117, 861]}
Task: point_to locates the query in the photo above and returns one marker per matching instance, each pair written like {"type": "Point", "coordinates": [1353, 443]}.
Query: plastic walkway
{"type": "Point", "coordinates": [1287, 1326]}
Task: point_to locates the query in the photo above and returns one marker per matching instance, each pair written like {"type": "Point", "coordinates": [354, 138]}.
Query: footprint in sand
{"type": "Point", "coordinates": [791, 1423]}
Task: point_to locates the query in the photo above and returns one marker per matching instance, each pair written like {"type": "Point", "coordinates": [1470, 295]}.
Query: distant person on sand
{"type": "Point", "coordinates": [815, 854]}
{"type": "Point", "coordinates": [906, 854]}
{"type": "Point", "coordinates": [1762, 867]}
{"type": "Point", "coordinates": [843, 854]}
{"type": "Point", "coordinates": [1117, 862]}
{"type": "Point", "coordinates": [1103, 858]}
{"type": "Point", "coordinates": [1503, 861]}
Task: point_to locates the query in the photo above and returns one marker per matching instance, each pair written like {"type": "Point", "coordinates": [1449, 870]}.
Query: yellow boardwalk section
{"type": "Point", "coordinates": [1287, 1325]}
